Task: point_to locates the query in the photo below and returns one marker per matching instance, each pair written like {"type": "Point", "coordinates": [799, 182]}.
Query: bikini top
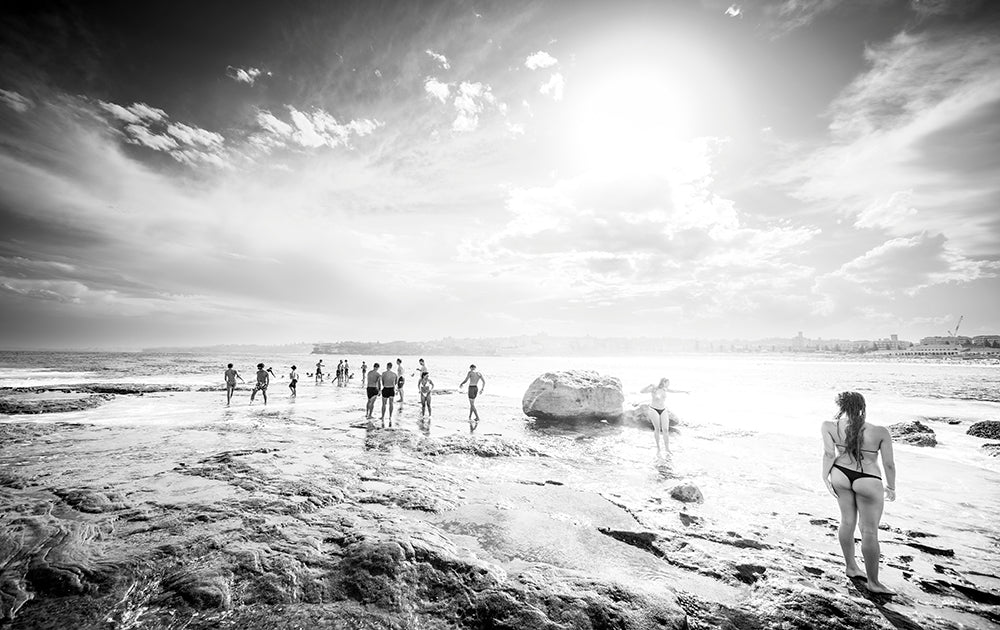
{"type": "Point", "coordinates": [843, 446]}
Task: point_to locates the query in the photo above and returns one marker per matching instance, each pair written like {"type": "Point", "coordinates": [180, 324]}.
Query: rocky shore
{"type": "Point", "coordinates": [285, 522]}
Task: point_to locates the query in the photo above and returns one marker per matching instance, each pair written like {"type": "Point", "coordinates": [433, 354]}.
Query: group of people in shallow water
{"type": "Point", "coordinates": [850, 466]}
{"type": "Point", "coordinates": [385, 385]}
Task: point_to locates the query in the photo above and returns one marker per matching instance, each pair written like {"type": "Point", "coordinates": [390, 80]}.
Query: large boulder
{"type": "Point", "coordinates": [574, 395]}
{"type": "Point", "coordinates": [989, 429]}
{"type": "Point", "coordinates": [915, 433]}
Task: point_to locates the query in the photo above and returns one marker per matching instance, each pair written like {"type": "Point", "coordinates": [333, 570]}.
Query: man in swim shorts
{"type": "Point", "coordinates": [319, 371]}
{"type": "Point", "coordinates": [231, 376]}
{"type": "Point", "coordinates": [263, 380]}
{"type": "Point", "coordinates": [372, 380]}
{"type": "Point", "coordinates": [293, 381]}
{"type": "Point", "coordinates": [388, 385]}
{"type": "Point", "coordinates": [476, 384]}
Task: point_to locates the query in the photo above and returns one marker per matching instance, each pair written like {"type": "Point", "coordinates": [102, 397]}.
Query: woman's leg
{"type": "Point", "coordinates": [870, 503]}
{"type": "Point", "coordinates": [848, 522]}
{"type": "Point", "coordinates": [654, 419]}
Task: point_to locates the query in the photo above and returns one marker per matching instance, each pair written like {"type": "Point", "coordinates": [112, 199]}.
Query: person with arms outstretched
{"type": "Point", "coordinates": [851, 448]}
{"type": "Point", "coordinates": [231, 375]}
{"type": "Point", "coordinates": [476, 384]}
{"type": "Point", "coordinates": [658, 403]}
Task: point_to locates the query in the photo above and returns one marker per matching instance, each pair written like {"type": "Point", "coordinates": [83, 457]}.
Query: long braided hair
{"type": "Point", "coordinates": [852, 404]}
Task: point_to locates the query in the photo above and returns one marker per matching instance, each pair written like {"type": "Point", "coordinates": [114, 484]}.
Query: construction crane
{"type": "Point", "coordinates": [952, 333]}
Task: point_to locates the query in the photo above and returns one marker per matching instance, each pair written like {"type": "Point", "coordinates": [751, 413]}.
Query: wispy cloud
{"type": "Point", "coordinates": [313, 129]}
{"type": "Point", "coordinates": [440, 59]}
{"type": "Point", "coordinates": [910, 149]}
{"type": "Point", "coordinates": [734, 10]}
{"type": "Point", "coordinates": [150, 127]}
{"type": "Point", "coordinates": [17, 102]}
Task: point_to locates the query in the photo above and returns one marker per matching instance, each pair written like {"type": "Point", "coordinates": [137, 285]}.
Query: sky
{"type": "Point", "coordinates": [193, 173]}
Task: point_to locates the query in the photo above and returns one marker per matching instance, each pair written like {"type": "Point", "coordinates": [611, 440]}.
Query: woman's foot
{"type": "Point", "coordinates": [856, 572]}
{"type": "Point", "coordinates": [875, 587]}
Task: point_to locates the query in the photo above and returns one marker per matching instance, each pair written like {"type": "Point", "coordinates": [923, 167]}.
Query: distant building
{"type": "Point", "coordinates": [958, 340]}
{"type": "Point", "coordinates": [986, 340]}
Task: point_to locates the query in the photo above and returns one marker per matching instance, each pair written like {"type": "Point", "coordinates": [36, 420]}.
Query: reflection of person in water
{"type": "Point", "coordinates": [851, 448]}
{"type": "Point", "coordinates": [661, 419]}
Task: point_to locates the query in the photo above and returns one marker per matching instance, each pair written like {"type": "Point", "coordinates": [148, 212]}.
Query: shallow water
{"type": "Point", "coordinates": [749, 440]}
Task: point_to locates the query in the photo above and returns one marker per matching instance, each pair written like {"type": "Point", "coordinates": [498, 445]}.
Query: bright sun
{"type": "Point", "coordinates": [632, 118]}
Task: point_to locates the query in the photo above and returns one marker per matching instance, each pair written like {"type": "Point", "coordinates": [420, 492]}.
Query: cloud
{"type": "Point", "coordinates": [887, 213]}
{"type": "Point", "coordinates": [16, 101]}
{"type": "Point", "coordinates": [194, 136]}
{"type": "Point", "coordinates": [734, 10]}
{"type": "Point", "coordinates": [440, 59]}
{"type": "Point", "coordinates": [148, 113]}
{"type": "Point", "coordinates": [514, 129]}
{"type": "Point", "coordinates": [150, 127]}
{"type": "Point", "coordinates": [923, 118]}
{"type": "Point", "coordinates": [313, 129]}
{"type": "Point", "coordinates": [471, 99]}
{"type": "Point", "coordinates": [897, 268]}
{"type": "Point", "coordinates": [660, 233]}
{"type": "Point", "coordinates": [540, 59]}
{"type": "Point", "coordinates": [945, 7]}
{"type": "Point", "coordinates": [138, 134]}
{"type": "Point", "coordinates": [554, 87]}
{"type": "Point", "coordinates": [437, 89]}
{"type": "Point", "coordinates": [248, 76]}
{"type": "Point", "coordinates": [119, 112]}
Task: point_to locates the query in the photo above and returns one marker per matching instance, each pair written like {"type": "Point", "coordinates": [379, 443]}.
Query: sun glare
{"type": "Point", "coordinates": [632, 119]}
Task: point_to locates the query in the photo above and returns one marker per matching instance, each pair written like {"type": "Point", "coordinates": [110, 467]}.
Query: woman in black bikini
{"type": "Point", "coordinates": [851, 473]}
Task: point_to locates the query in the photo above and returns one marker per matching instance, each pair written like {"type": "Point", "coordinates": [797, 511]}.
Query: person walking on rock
{"type": "Point", "coordinates": [851, 448]}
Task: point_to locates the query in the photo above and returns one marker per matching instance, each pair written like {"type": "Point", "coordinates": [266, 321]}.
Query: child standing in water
{"type": "Point", "coordinates": [425, 386]}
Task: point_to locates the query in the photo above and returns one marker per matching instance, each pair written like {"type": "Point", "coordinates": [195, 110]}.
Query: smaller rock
{"type": "Point", "coordinates": [988, 429]}
{"type": "Point", "coordinates": [992, 449]}
{"type": "Point", "coordinates": [687, 493]}
{"type": "Point", "coordinates": [915, 433]}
